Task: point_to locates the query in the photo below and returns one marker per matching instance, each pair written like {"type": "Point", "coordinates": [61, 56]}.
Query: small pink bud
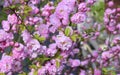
{"type": "Point", "coordinates": [118, 9]}
{"type": "Point", "coordinates": [12, 43]}
{"type": "Point", "coordinates": [16, 44]}
{"type": "Point", "coordinates": [97, 72]}
{"type": "Point", "coordinates": [110, 4]}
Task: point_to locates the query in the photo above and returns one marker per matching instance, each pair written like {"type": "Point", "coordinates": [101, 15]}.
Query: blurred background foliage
{"type": "Point", "coordinates": [98, 11]}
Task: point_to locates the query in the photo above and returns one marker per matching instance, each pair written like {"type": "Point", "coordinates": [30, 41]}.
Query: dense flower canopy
{"type": "Point", "coordinates": [58, 37]}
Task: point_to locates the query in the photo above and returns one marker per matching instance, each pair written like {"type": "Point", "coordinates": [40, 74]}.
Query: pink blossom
{"type": "Point", "coordinates": [43, 30]}
{"type": "Point", "coordinates": [65, 20]}
{"type": "Point", "coordinates": [48, 69]}
{"type": "Point", "coordinates": [63, 42]}
{"type": "Point", "coordinates": [106, 55]}
{"type": "Point", "coordinates": [47, 9]}
{"type": "Point", "coordinates": [12, 19]}
{"type": "Point", "coordinates": [82, 7]}
{"type": "Point", "coordinates": [3, 35]}
{"type": "Point", "coordinates": [109, 11]}
{"type": "Point", "coordinates": [74, 62]}
{"type": "Point", "coordinates": [35, 9]}
{"type": "Point", "coordinates": [91, 2]}
{"type": "Point", "coordinates": [65, 7]}
{"type": "Point", "coordinates": [5, 38]}
{"type": "Point", "coordinates": [54, 20]}
{"type": "Point", "coordinates": [33, 47]}
{"type": "Point", "coordinates": [51, 51]}
{"type": "Point", "coordinates": [95, 54]}
{"type": "Point", "coordinates": [5, 25]}
{"type": "Point", "coordinates": [118, 27]}
{"type": "Point", "coordinates": [82, 72]}
{"type": "Point", "coordinates": [42, 71]}
{"type": "Point", "coordinates": [16, 66]}
{"type": "Point", "coordinates": [6, 3]}
{"type": "Point", "coordinates": [78, 17]}
{"type": "Point", "coordinates": [19, 52]}
{"type": "Point", "coordinates": [6, 63]}
{"type": "Point", "coordinates": [26, 36]}
{"type": "Point", "coordinates": [97, 72]}
{"type": "Point", "coordinates": [110, 3]}
{"type": "Point", "coordinates": [35, 1]}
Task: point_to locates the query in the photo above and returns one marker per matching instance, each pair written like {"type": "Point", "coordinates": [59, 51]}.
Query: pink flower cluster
{"type": "Point", "coordinates": [111, 16]}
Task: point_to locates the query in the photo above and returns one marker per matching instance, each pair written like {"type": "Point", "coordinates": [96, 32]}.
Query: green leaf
{"type": "Point", "coordinates": [98, 10]}
{"type": "Point", "coordinates": [15, 6]}
{"type": "Point", "coordinates": [102, 29]}
{"type": "Point", "coordinates": [89, 31]}
{"type": "Point", "coordinates": [113, 73]}
{"type": "Point", "coordinates": [108, 71]}
{"type": "Point", "coordinates": [74, 37]}
{"type": "Point", "coordinates": [42, 59]}
{"type": "Point", "coordinates": [27, 9]}
{"type": "Point", "coordinates": [3, 15]}
{"type": "Point", "coordinates": [57, 55]}
{"type": "Point", "coordinates": [39, 38]}
{"type": "Point", "coordinates": [35, 73]}
{"type": "Point", "coordinates": [67, 31]}
{"type": "Point", "coordinates": [2, 73]}
{"type": "Point", "coordinates": [56, 2]}
{"type": "Point", "coordinates": [25, 0]}
{"type": "Point", "coordinates": [12, 7]}
{"type": "Point", "coordinates": [33, 66]}
{"type": "Point", "coordinates": [22, 73]}
{"type": "Point", "coordinates": [42, 3]}
{"type": "Point", "coordinates": [31, 28]}
{"type": "Point", "coordinates": [104, 69]}
{"type": "Point", "coordinates": [57, 63]}
{"type": "Point", "coordinates": [22, 28]}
